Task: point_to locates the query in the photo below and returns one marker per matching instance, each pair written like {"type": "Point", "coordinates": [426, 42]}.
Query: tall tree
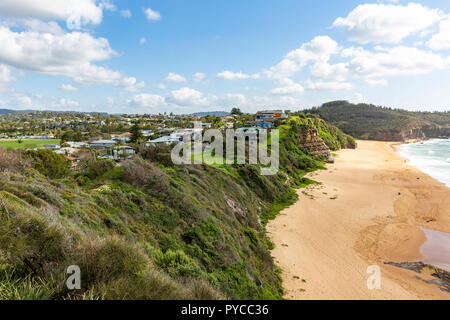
{"type": "Point", "coordinates": [136, 133]}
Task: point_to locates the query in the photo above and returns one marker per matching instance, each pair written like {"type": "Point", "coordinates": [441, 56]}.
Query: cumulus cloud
{"type": "Point", "coordinates": [441, 40]}
{"type": "Point", "coordinates": [234, 99]}
{"type": "Point", "coordinates": [329, 86]}
{"type": "Point", "coordinates": [188, 97]}
{"type": "Point", "coordinates": [320, 49]}
{"type": "Point", "coordinates": [174, 77]}
{"type": "Point", "coordinates": [68, 87]}
{"type": "Point", "coordinates": [68, 54]}
{"type": "Point", "coordinates": [142, 41]}
{"type": "Point", "coordinates": [107, 5]}
{"type": "Point", "coordinates": [376, 82]}
{"type": "Point", "coordinates": [76, 13]}
{"type": "Point", "coordinates": [396, 61]}
{"type": "Point", "coordinates": [197, 77]}
{"type": "Point", "coordinates": [125, 13]}
{"type": "Point", "coordinates": [68, 103]}
{"type": "Point", "coordinates": [230, 75]}
{"type": "Point", "coordinates": [152, 15]}
{"type": "Point", "coordinates": [147, 100]}
{"type": "Point", "coordinates": [5, 77]}
{"type": "Point", "coordinates": [290, 89]}
{"type": "Point", "coordinates": [381, 23]}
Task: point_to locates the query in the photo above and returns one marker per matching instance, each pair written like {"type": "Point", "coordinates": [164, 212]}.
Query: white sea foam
{"type": "Point", "coordinates": [432, 157]}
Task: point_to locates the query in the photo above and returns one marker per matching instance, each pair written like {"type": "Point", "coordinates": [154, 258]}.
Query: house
{"type": "Point", "coordinates": [102, 144]}
{"type": "Point", "coordinates": [124, 152]}
{"type": "Point", "coordinates": [77, 145]}
{"type": "Point", "coordinates": [270, 114]}
{"type": "Point", "coordinates": [163, 139]}
{"type": "Point", "coordinates": [73, 162]}
{"type": "Point", "coordinates": [265, 124]}
{"type": "Point", "coordinates": [52, 146]}
{"type": "Point", "coordinates": [67, 151]}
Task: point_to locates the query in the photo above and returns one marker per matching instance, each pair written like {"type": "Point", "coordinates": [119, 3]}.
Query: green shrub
{"type": "Point", "coordinates": [141, 173]}
{"type": "Point", "coordinates": [48, 163]}
{"type": "Point", "coordinates": [96, 168]}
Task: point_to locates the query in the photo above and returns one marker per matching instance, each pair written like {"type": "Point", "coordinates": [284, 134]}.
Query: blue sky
{"type": "Point", "coordinates": [185, 56]}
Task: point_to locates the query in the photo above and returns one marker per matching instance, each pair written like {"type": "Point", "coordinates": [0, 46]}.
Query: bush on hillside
{"type": "Point", "coordinates": [12, 161]}
{"type": "Point", "coordinates": [48, 163]}
{"type": "Point", "coordinates": [143, 174]}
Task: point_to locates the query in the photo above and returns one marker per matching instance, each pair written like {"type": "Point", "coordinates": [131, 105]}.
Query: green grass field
{"type": "Point", "coordinates": [26, 143]}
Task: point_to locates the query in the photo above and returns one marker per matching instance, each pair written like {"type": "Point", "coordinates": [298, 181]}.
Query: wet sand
{"type": "Point", "coordinates": [368, 210]}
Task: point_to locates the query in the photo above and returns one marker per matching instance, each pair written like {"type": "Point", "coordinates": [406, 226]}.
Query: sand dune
{"type": "Point", "coordinates": [367, 210]}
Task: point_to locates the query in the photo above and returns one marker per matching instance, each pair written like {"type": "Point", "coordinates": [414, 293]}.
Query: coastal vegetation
{"type": "Point", "coordinates": [147, 229]}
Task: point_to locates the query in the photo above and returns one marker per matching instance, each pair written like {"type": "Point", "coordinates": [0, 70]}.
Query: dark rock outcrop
{"type": "Point", "coordinates": [311, 143]}
{"type": "Point", "coordinates": [442, 277]}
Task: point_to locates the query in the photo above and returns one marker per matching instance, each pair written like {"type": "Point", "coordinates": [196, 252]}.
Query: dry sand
{"type": "Point", "coordinates": [367, 210]}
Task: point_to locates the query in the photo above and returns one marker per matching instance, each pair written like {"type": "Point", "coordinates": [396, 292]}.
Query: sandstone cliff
{"type": "Point", "coordinates": [311, 143]}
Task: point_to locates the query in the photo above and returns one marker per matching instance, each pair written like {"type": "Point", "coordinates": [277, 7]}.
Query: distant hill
{"type": "Point", "coordinates": [6, 111]}
{"type": "Point", "coordinates": [211, 113]}
{"type": "Point", "coordinates": [372, 122]}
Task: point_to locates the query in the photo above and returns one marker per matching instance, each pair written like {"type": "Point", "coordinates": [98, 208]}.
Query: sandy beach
{"type": "Point", "coordinates": [367, 210]}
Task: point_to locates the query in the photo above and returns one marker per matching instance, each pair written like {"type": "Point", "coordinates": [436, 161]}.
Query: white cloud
{"type": "Point", "coordinates": [329, 86]}
{"type": "Point", "coordinates": [68, 87]}
{"type": "Point", "coordinates": [142, 41]}
{"type": "Point", "coordinates": [380, 23]}
{"type": "Point", "coordinates": [324, 70]}
{"type": "Point", "coordinates": [152, 15]}
{"type": "Point", "coordinates": [125, 13]}
{"type": "Point", "coordinates": [188, 97]}
{"type": "Point", "coordinates": [22, 100]}
{"type": "Point", "coordinates": [376, 82]}
{"type": "Point", "coordinates": [290, 89]}
{"type": "Point", "coordinates": [5, 77]}
{"type": "Point", "coordinates": [147, 100]}
{"type": "Point", "coordinates": [197, 77]}
{"type": "Point", "coordinates": [441, 40]}
{"type": "Point", "coordinates": [68, 54]}
{"type": "Point", "coordinates": [174, 77]}
{"type": "Point", "coordinates": [76, 13]}
{"type": "Point", "coordinates": [317, 50]}
{"type": "Point", "coordinates": [68, 103]}
{"type": "Point", "coordinates": [358, 98]}
{"type": "Point", "coordinates": [396, 61]}
{"type": "Point", "coordinates": [41, 26]}
{"type": "Point", "coordinates": [107, 5]}
{"type": "Point", "coordinates": [234, 99]}
{"type": "Point", "coordinates": [230, 75]}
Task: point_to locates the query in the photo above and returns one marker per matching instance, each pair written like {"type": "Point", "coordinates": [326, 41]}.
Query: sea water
{"type": "Point", "coordinates": [436, 249]}
{"type": "Point", "coordinates": [431, 157]}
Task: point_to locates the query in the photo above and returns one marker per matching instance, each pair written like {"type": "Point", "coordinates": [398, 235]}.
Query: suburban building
{"type": "Point", "coordinates": [102, 144]}
{"type": "Point", "coordinates": [270, 114]}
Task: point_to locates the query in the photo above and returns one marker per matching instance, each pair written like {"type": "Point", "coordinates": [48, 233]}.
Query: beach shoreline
{"type": "Point", "coordinates": [367, 210]}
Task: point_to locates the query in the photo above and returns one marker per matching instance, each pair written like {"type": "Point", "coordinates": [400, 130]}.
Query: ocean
{"type": "Point", "coordinates": [431, 157]}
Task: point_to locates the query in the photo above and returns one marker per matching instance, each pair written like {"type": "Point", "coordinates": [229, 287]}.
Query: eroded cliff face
{"type": "Point", "coordinates": [311, 143]}
{"type": "Point", "coordinates": [426, 132]}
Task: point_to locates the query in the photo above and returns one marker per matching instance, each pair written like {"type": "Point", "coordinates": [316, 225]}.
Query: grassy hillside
{"type": "Point", "coordinates": [146, 229]}
{"type": "Point", "coordinates": [372, 122]}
